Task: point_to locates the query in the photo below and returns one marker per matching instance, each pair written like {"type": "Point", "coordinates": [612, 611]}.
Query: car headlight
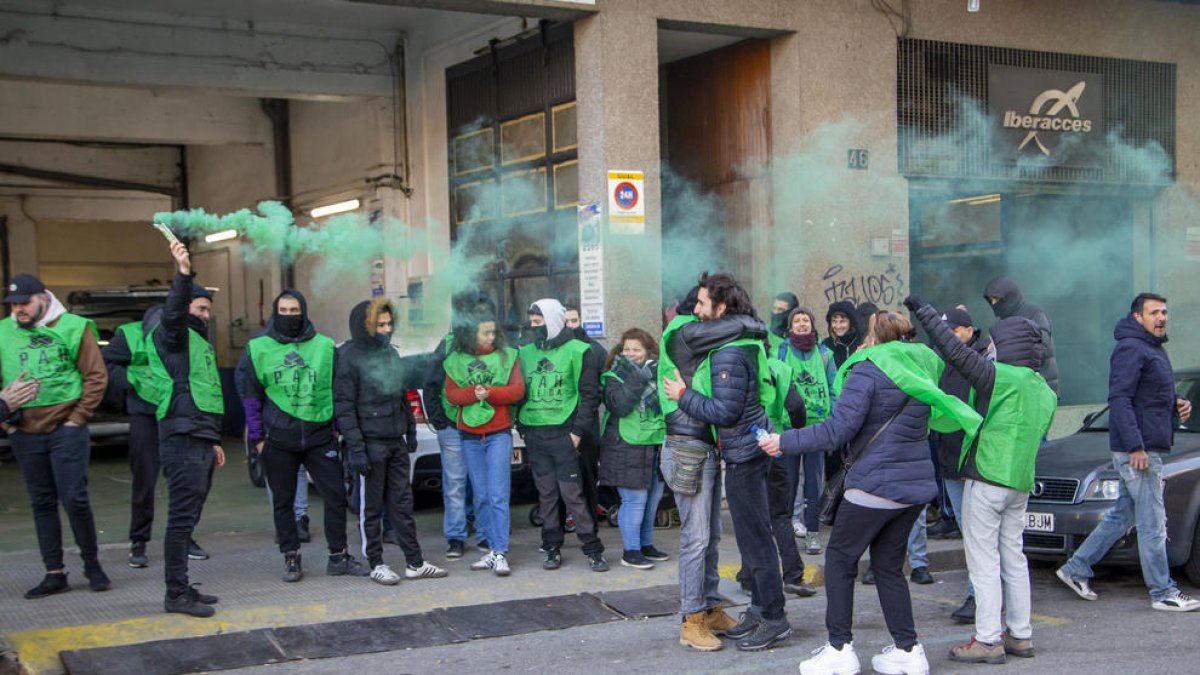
{"type": "Point", "coordinates": [1104, 490]}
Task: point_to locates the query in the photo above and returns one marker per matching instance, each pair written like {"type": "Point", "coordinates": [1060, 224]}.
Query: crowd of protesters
{"type": "Point", "coordinates": [859, 430]}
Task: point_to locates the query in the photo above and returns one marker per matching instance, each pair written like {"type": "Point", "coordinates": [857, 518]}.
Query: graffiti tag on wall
{"type": "Point", "coordinates": [881, 288]}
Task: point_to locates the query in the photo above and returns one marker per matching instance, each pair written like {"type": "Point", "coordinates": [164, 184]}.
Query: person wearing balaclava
{"type": "Point", "coordinates": [844, 334]}
{"type": "Point", "coordinates": [1017, 405]}
{"type": "Point", "coordinates": [589, 447]}
{"type": "Point", "coordinates": [812, 364]}
{"type": "Point", "coordinates": [379, 433]}
{"type": "Point", "coordinates": [781, 308]}
{"type": "Point", "coordinates": [562, 392]}
{"type": "Point", "coordinates": [289, 421]}
{"type": "Point", "coordinates": [189, 426]}
{"type": "Point", "coordinates": [1006, 300]}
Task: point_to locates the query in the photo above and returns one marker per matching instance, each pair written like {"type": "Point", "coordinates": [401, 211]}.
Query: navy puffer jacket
{"type": "Point", "coordinates": [734, 407]}
{"type": "Point", "coordinates": [1141, 391]}
{"type": "Point", "coordinates": [897, 466]}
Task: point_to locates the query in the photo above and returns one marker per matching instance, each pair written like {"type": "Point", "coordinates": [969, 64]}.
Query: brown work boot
{"type": "Point", "coordinates": [978, 652]}
{"type": "Point", "coordinates": [718, 621]}
{"type": "Point", "coordinates": [696, 634]}
{"type": "Point", "coordinates": [1017, 646]}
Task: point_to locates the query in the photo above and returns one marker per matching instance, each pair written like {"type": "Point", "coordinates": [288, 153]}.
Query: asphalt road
{"type": "Point", "coordinates": [1117, 634]}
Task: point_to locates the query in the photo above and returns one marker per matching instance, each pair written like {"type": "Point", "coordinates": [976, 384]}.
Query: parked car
{"type": "Point", "coordinates": [1076, 485]}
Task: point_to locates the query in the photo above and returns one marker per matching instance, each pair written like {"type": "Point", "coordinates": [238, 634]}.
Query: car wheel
{"type": "Point", "coordinates": [253, 464]}
{"type": "Point", "coordinates": [613, 517]}
{"type": "Point", "coordinates": [1192, 567]}
{"type": "Point", "coordinates": [535, 518]}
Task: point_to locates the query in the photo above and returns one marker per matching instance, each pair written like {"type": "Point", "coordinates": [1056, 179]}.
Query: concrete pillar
{"type": "Point", "coordinates": [616, 84]}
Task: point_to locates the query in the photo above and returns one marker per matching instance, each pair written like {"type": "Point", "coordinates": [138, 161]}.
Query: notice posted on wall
{"type": "Point", "coordinates": [626, 203]}
{"type": "Point", "coordinates": [591, 270]}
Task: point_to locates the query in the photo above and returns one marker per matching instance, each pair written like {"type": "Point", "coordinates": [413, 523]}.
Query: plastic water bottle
{"type": "Point", "coordinates": [760, 434]}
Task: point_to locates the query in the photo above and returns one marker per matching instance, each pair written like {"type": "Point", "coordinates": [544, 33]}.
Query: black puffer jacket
{"type": "Point", "coordinates": [370, 386]}
{"type": "Point", "coordinates": [1012, 303]}
{"type": "Point", "coordinates": [688, 347]}
{"type": "Point", "coordinates": [948, 446]}
{"type": "Point", "coordinates": [264, 419]}
{"type": "Point", "coordinates": [622, 464]}
{"type": "Point", "coordinates": [171, 339]}
{"type": "Point", "coordinates": [735, 406]}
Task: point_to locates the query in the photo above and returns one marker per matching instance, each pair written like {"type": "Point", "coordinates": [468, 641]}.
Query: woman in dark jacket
{"type": "Point", "coordinates": [883, 414]}
{"type": "Point", "coordinates": [633, 434]}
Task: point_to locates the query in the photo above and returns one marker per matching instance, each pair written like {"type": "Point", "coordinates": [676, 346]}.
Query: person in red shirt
{"type": "Point", "coordinates": [483, 377]}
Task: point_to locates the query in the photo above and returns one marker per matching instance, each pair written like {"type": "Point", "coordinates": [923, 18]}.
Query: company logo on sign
{"type": "Point", "coordinates": [1049, 119]}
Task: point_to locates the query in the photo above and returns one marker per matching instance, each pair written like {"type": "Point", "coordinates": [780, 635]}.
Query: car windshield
{"type": "Point", "coordinates": [1185, 387]}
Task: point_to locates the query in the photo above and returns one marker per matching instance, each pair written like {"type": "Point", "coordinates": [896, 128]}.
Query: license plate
{"type": "Point", "coordinates": [1039, 522]}
{"type": "Point", "coordinates": [516, 456]}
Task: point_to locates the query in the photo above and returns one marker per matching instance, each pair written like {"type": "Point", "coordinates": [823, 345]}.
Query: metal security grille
{"type": "Point", "coordinates": [940, 84]}
{"type": "Point", "coordinates": [1055, 490]}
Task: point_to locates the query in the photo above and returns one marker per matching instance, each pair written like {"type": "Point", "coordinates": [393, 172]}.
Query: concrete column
{"type": "Point", "coordinates": [616, 74]}
{"type": "Point", "coordinates": [22, 239]}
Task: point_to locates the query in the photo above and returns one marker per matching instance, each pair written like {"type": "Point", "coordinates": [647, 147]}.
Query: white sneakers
{"type": "Point", "coordinates": [826, 660]}
{"type": "Point", "coordinates": [799, 529]}
{"type": "Point", "coordinates": [382, 574]}
{"type": "Point", "coordinates": [426, 571]}
{"type": "Point", "coordinates": [895, 661]}
{"type": "Point", "coordinates": [497, 562]}
{"type": "Point", "coordinates": [1080, 586]}
{"type": "Point", "coordinates": [1177, 603]}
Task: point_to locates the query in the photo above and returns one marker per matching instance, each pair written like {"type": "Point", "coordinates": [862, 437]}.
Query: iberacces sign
{"type": "Point", "coordinates": [1055, 117]}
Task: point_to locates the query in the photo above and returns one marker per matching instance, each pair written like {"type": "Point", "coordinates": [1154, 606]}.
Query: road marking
{"type": "Point", "coordinates": [1038, 618]}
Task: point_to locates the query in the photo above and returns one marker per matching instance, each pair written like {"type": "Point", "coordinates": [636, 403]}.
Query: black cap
{"type": "Point", "coordinates": [958, 317]}
{"type": "Point", "coordinates": [199, 291]}
{"type": "Point", "coordinates": [22, 287]}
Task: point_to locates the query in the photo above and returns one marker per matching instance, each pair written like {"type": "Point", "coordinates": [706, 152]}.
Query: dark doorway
{"type": "Point", "coordinates": [1069, 253]}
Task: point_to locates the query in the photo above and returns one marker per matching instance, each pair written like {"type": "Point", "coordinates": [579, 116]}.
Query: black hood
{"type": "Point", "coordinates": [688, 305]}
{"type": "Point", "coordinates": [1128, 327]}
{"type": "Point", "coordinates": [848, 309]}
{"type": "Point", "coordinates": [151, 318]}
{"type": "Point", "coordinates": [306, 333]}
{"type": "Point", "coordinates": [751, 327]}
{"type": "Point", "coordinates": [1018, 342]}
{"type": "Point", "coordinates": [358, 324]}
{"type": "Point", "coordinates": [1010, 297]}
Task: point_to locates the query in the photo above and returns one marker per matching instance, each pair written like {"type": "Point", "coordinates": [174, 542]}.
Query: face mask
{"type": "Point", "coordinates": [539, 333]}
{"type": "Point", "coordinates": [289, 324]}
{"type": "Point", "coordinates": [197, 324]}
{"type": "Point", "coordinates": [803, 342]}
{"type": "Point", "coordinates": [383, 339]}
{"type": "Point", "coordinates": [779, 323]}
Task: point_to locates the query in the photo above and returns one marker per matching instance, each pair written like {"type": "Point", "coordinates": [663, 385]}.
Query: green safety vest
{"type": "Point", "coordinates": [812, 381]}
{"type": "Point", "coordinates": [773, 342]}
{"type": "Point", "coordinates": [297, 376]}
{"type": "Point", "coordinates": [702, 380]}
{"type": "Point", "coordinates": [916, 369]}
{"type": "Point", "coordinates": [643, 426]}
{"type": "Point", "coordinates": [469, 370]}
{"type": "Point", "coordinates": [450, 409]}
{"type": "Point", "coordinates": [203, 383]}
{"type": "Point", "coordinates": [781, 376]}
{"type": "Point", "coordinates": [551, 382]}
{"type": "Point", "coordinates": [666, 366]}
{"type": "Point", "coordinates": [149, 388]}
{"type": "Point", "coordinates": [1018, 417]}
{"type": "Point", "coordinates": [45, 353]}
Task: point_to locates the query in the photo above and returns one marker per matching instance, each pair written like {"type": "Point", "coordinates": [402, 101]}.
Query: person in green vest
{"type": "Point", "coordinates": [41, 342]}
{"type": "Point", "coordinates": [189, 425]}
{"type": "Point", "coordinates": [633, 432]}
{"type": "Point", "coordinates": [483, 381]}
{"type": "Point", "coordinates": [998, 468]}
{"type": "Point", "coordinates": [127, 358]}
{"type": "Point", "coordinates": [561, 396]}
{"type": "Point", "coordinates": [781, 309]}
{"type": "Point", "coordinates": [814, 370]}
{"type": "Point", "coordinates": [289, 419]}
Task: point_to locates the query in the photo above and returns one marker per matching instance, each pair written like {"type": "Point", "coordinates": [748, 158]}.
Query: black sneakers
{"type": "Point", "coordinates": [201, 597]}
{"type": "Point", "coordinates": [454, 549]}
{"type": "Point", "coordinates": [52, 584]}
{"type": "Point", "coordinates": [291, 567]}
{"type": "Point", "coordinates": [344, 565]}
{"type": "Point", "coordinates": [654, 554]}
{"type": "Point", "coordinates": [553, 559]}
{"type": "Point", "coordinates": [188, 603]}
{"type": "Point", "coordinates": [195, 552]}
{"type": "Point", "coordinates": [302, 530]}
{"type": "Point", "coordinates": [921, 575]}
{"type": "Point", "coordinates": [765, 635]}
{"type": "Point", "coordinates": [746, 624]}
{"type": "Point", "coordinates": [98, 581]}
{"type": "Point", "coordinates": [137, 554]}
{"type": "Point", "coordinates": [799, 589]}
{"type": "Point", "coordinates": [597, 562]}
{"type": "Point", "coordinates": [636, 559]}
{"type": "Point", "coordinates": [966, 613]}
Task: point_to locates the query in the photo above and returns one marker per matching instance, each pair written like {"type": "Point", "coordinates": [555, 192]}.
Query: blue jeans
{"type": "Point", "coordinates": [454, 484]}
{"type": "Point", "coordinates": [489, 459]}
{"type": "Point", "coordinates": [300, 505]}
{"type": "Point", "coordinates": [699, 529]}
{"type": "Point", "coordinates": [810, 494]}
{"type": "Point", "coordinates": [636, 517]}
{"type": "Point", "coordinates": [954, 492]}
{"type": "Point", "coordinates": [1139, 503]}
{"type": "Point", "coordinates": [918, 543]}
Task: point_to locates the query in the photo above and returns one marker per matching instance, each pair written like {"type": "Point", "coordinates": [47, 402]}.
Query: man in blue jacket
{"type": "Point", "coordinates": [1142, 409]}
{"type": "Point", "coordinates": [729, 400]}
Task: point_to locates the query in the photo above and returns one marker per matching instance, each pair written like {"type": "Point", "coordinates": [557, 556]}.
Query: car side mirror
{"type": "Point", "coordinates": [1090, 417]}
